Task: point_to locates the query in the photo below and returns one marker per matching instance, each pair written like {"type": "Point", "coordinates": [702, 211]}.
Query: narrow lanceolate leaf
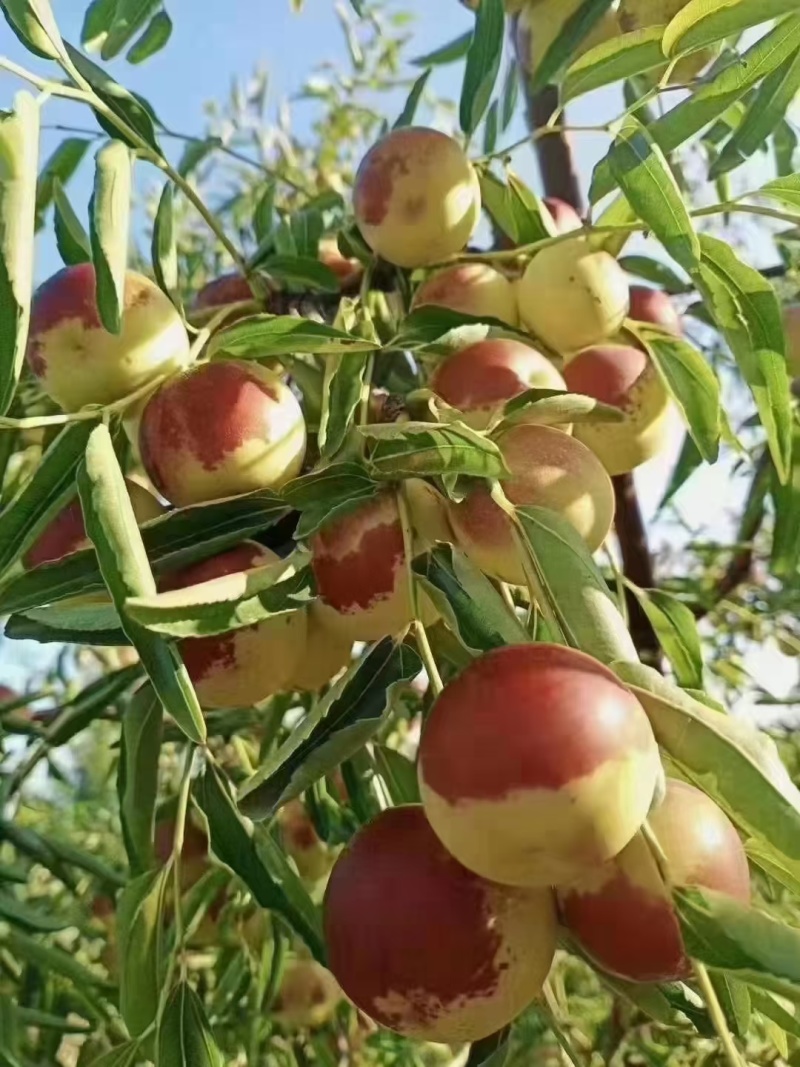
{"type": "Point", "coordinates": [572, 32]}
{"type": "Point", "coordinates": [448, 53]}
{"type": "Point", "coordinates": [692, 384]}
{"type": "Point", "coordinates": [182, 537]}
{"type": "Point", "coordinates": [467, 600]}
{"type": "Point", "coordinates": [406, 116]}
{"type": "Point", "coordinates": [785, 190]}
{"type": "Point", "coordinates": [764, 113]}
{"type": "Point", "coordinates": [746, 309]}
{"type": "Point", "coordinates": [443, 329]}
{"type": "Point", "coordinates": [252, 854]}
{"type": "Point", "coordinates": [644, 176]}
{"type": "Point", "coordinates": [60, 166]}
{"type": "Point", "coordinates": [713, 98]}
{"type": "Point", "coordinates": [19, 154]}
{"type": "Point", "coordinates": [132, 110]}
{"type": "Point", "coordinates": [483, 64]}
{"type": "Point", "coordinates": [675, 627]}
{"type": "Point", "coordinates": [91, 620]}
{"type": "Point", "coordinates": [137, 780]}
{"type": "Point", "coordinates": [342, 392]}
{"type": "Point", "coordinates": [130, 17]}
{"type": "Point", "coordinates": [154, 38]}
{"type": "Point", "coordinates": [164, 248]}
{"type": "Point", "coordinates": [96, 23]}
{"type": "Point", "coordinates": [185, 1038]}
{"type": "Point", "coordinates": [732, 761]}
{"type": "Point", "coordinates": [490, 128]}
{"type": "Point", "coordinates": [126, 1055]}
{"type": "Point", "coordinates": [72, 240]}
{"type": "Point", "coordinates": [33, 22]}
{"type": "Point", "coordinates": [513, 208]}
{"type": "Point", "coordinates": [110, 210]}
{"type": "Point", "coordinates": [699, 23]}
{"type": "Point", "coordinates": [655, 271]}
{"type": "Point", "coordinates": [613, 61]}
{"type": "Point", "coordinates": [54, 961]}
{"type": "Point", "coordinates": [281, 335]}
{"type": "Point", "coordinates": [401, 449]}
{"type": "Point", "coordinates": [688, 461]}
{"type": "Point", "coordinates": [510, 96]}
{"type": "Point", "coordinates": [25, 917]}
{"type": "Point", "coordinates": [50, 488]}
{"type": "Point", "coordinates": [227, 603]}
{"type": "Point", "coordinates": [785, 555]}
{"type": "Point", "coordinates": [572, 593]}
{"type": "Point", "coordinates": [90, 704]}
{"type": "Point", "coordinates": [139, 921]}
{"type": "Point", "coordinates": [339, 726]}
{"type": "Point", "coordinates": [399, 773]}
{"type": "Point", "coordinates": [111, 526]}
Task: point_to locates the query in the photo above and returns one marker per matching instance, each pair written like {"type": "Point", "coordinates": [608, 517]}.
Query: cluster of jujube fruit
{"type": "Point", "coordinates": [537, 767]}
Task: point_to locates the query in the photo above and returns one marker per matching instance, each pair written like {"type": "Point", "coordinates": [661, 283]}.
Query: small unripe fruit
{"type": "Point", "coordinates": [361, 569]}
{"type": "Point", "coordinates": [481, 378]}
{"type": "Point", "coordinates": [625, 378]}
{"type": "Point", "coordinates": [472, 288]}
{"type": "Point", "coordinates": [311, 855]}
{"type": "Point", "coordinates": [565, 217]}
{"type": "Point", "coordinates": [791, 326]}
{"type": "Point", "coordinates": [654, 306]}
{"type": "Point", "coordinates": [428, 513]}
{"type": "Point", "coordinates": [348, 271]}
{"type": "Point", "coordinates": [308, 996]}
{"type": "Point", "coordinates": [622, 914]}
{"type": "Point", "coordinates": [416, 197]}
{"type": "Point", "coordinates": [219, 430]}
{"type": "Point", "coordinates": [534, 763]}
{"type": "Point", "coordinates": [78, 362]}
{"type": "Point", "coordinates": [571, 296]}
{"type": "Point", "coordinates": [247, 665]}
{"type": "Point", "coordinates": [227, 289]}
{"type": "Point", "coordinates": [423, 946]}
{"type": "Point", "coordinates": [66, 533]}
{"type": "Point", "coordinates": [548, 469]}
{"type": "Point", "coordinates": [326, 654]}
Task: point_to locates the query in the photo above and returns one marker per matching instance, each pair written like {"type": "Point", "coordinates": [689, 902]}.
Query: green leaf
{"type": "Point", "coordinates": [448, 53]}
{"type": "Point", "coordinates": [699, 23]}
{"type": "Point", "coordinates": [574, 598]}
{"type": "Point", "coordinates": [301, 271]}
{"type": "Point", "coordinates": [130, 17]}
{"type": "Point", "coordinates": [135, 112]}
{"type": "Point", "coordinates": [33, 22]}
{"type": "Point", "coordinates": [184, 536]}
{"type": "Point", "coordinates": [483, 64]}
{"type": "Point", "coordinates": [406, 116]}
{"type": "Point", "coordinates": [513, 208]}
{"type": "Point", "coordinates": [154, 38]}
{"type": "Point", "coordinates": [653, 270]}
{"type": "Point", "coordinates": [279, 335]}
{"type": "Point", "coordinates": [227, 603]}
{"type": "Point", "coordinates": [327, 494]}
{"type": "Point", "coordinates": [24, 917]}
{"type": "Point", "coordinates": [184, 1034]}
{"type": "Point", "coordinates": [89, 705]}
{"type": "Point", "coordinates": [450, 330]}
{"type": "Point", "coordinates": [728, 758]}
{"type": "Point", "coordinates": [340, 724]}
{"type": "Point", "coordinates": [713, 98]}
{"type": "Point", "coordinates": [614, 60]}
{"type": "Point", "coordinates": [785, 555]}
{"type": "Point", "coordinates": [764, 112]}
{"type": "Point", "coordinates": [746, 309]}
{"type": "Point", "coordinates": [490, 128]}
{"type": "Point", "coordinates": [342, 391]}
{"type": "Point", "coordinates": [468, 601]}
{"type": "Point", "coordinates": [399, 774]}
{"type": "Point", "coordinates": [96, 22]}
{"type": "Point", "coordinates": [111, 526]}
{"type": "Point", "coordinates": [766, 1005]}
{"type": "Point", "coordinates": [54, 854]}
{"type": "Point", "coordinates": [785, 190]}
{"type": "Point", "coordinates": [734, 997]}
{"type": "Point", "coordinates": [253, 855]}
{"type": "Point", "coordinates": [194, 153]}
{"type": "Point", "coordinates": [426, 449]}
{"type": "Point", "coordinates": [109, 211]}
{"type": "Point", "coordinates": [164, 247]}
{"type": "Point", "coordinates": [554, 407]}
{"type": "Point", "coordinates": [784, 144]}
{"type": "Point", "coordinates": [19, 153]}
{"type": "Point", "coordinates": [574, 30]}
{"type": "Point", "coordinates": [692, 384]}
{"type": "Point", "coordinates": [54, 960]}
{"type": "Point", "coordinates": [127, 1055]}
{"type": "Point", "coordinates": [676, 630]}
{"type": "Point", "coordinates": [644, 176]}
{"type": "Point", "coordinates": [44, 495]}
{"type": "Point", "coordinates": [137, 779]}
{"type": "Point", "coordinates": [141, 952]}
{"type": "Point", "coordinates": [689, 459]}
{"type": "Point", "coordinates": [72, 239]}
{"type": "Point", "coordinates": [510, 96]}
{"type": "Point", "coordinates": [60, 166]}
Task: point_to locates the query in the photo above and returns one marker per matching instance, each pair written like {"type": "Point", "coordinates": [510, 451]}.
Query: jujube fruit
{"type": "Point", "coordinates": [425, 947]}
{"type": "Point", "coordinates": [78, 362]}
{"type": "Point", "coordinates": [622, 914]}
{"type": "Point", "coordinates": [653, 305]}
{"type": "Point", "coordinates": [534, 763]}
{"type": "Point", "coordinates": [416, 197]}
{"type": "Point", "coordinates": [472, 288]}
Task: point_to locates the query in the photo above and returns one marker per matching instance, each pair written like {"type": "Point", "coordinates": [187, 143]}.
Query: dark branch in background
{"type": "Point", "coordinates": [560, 178]}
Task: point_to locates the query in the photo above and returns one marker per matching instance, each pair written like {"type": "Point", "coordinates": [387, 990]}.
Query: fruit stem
{"type": "Point", "coordinates": [551, 1010]}
{"type": "Point", "coordinates": [43, 84]}
{"type": "Point", "coordinates": [717, 1015]}
{"type": "Point", "coordinates": [431, 669]}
